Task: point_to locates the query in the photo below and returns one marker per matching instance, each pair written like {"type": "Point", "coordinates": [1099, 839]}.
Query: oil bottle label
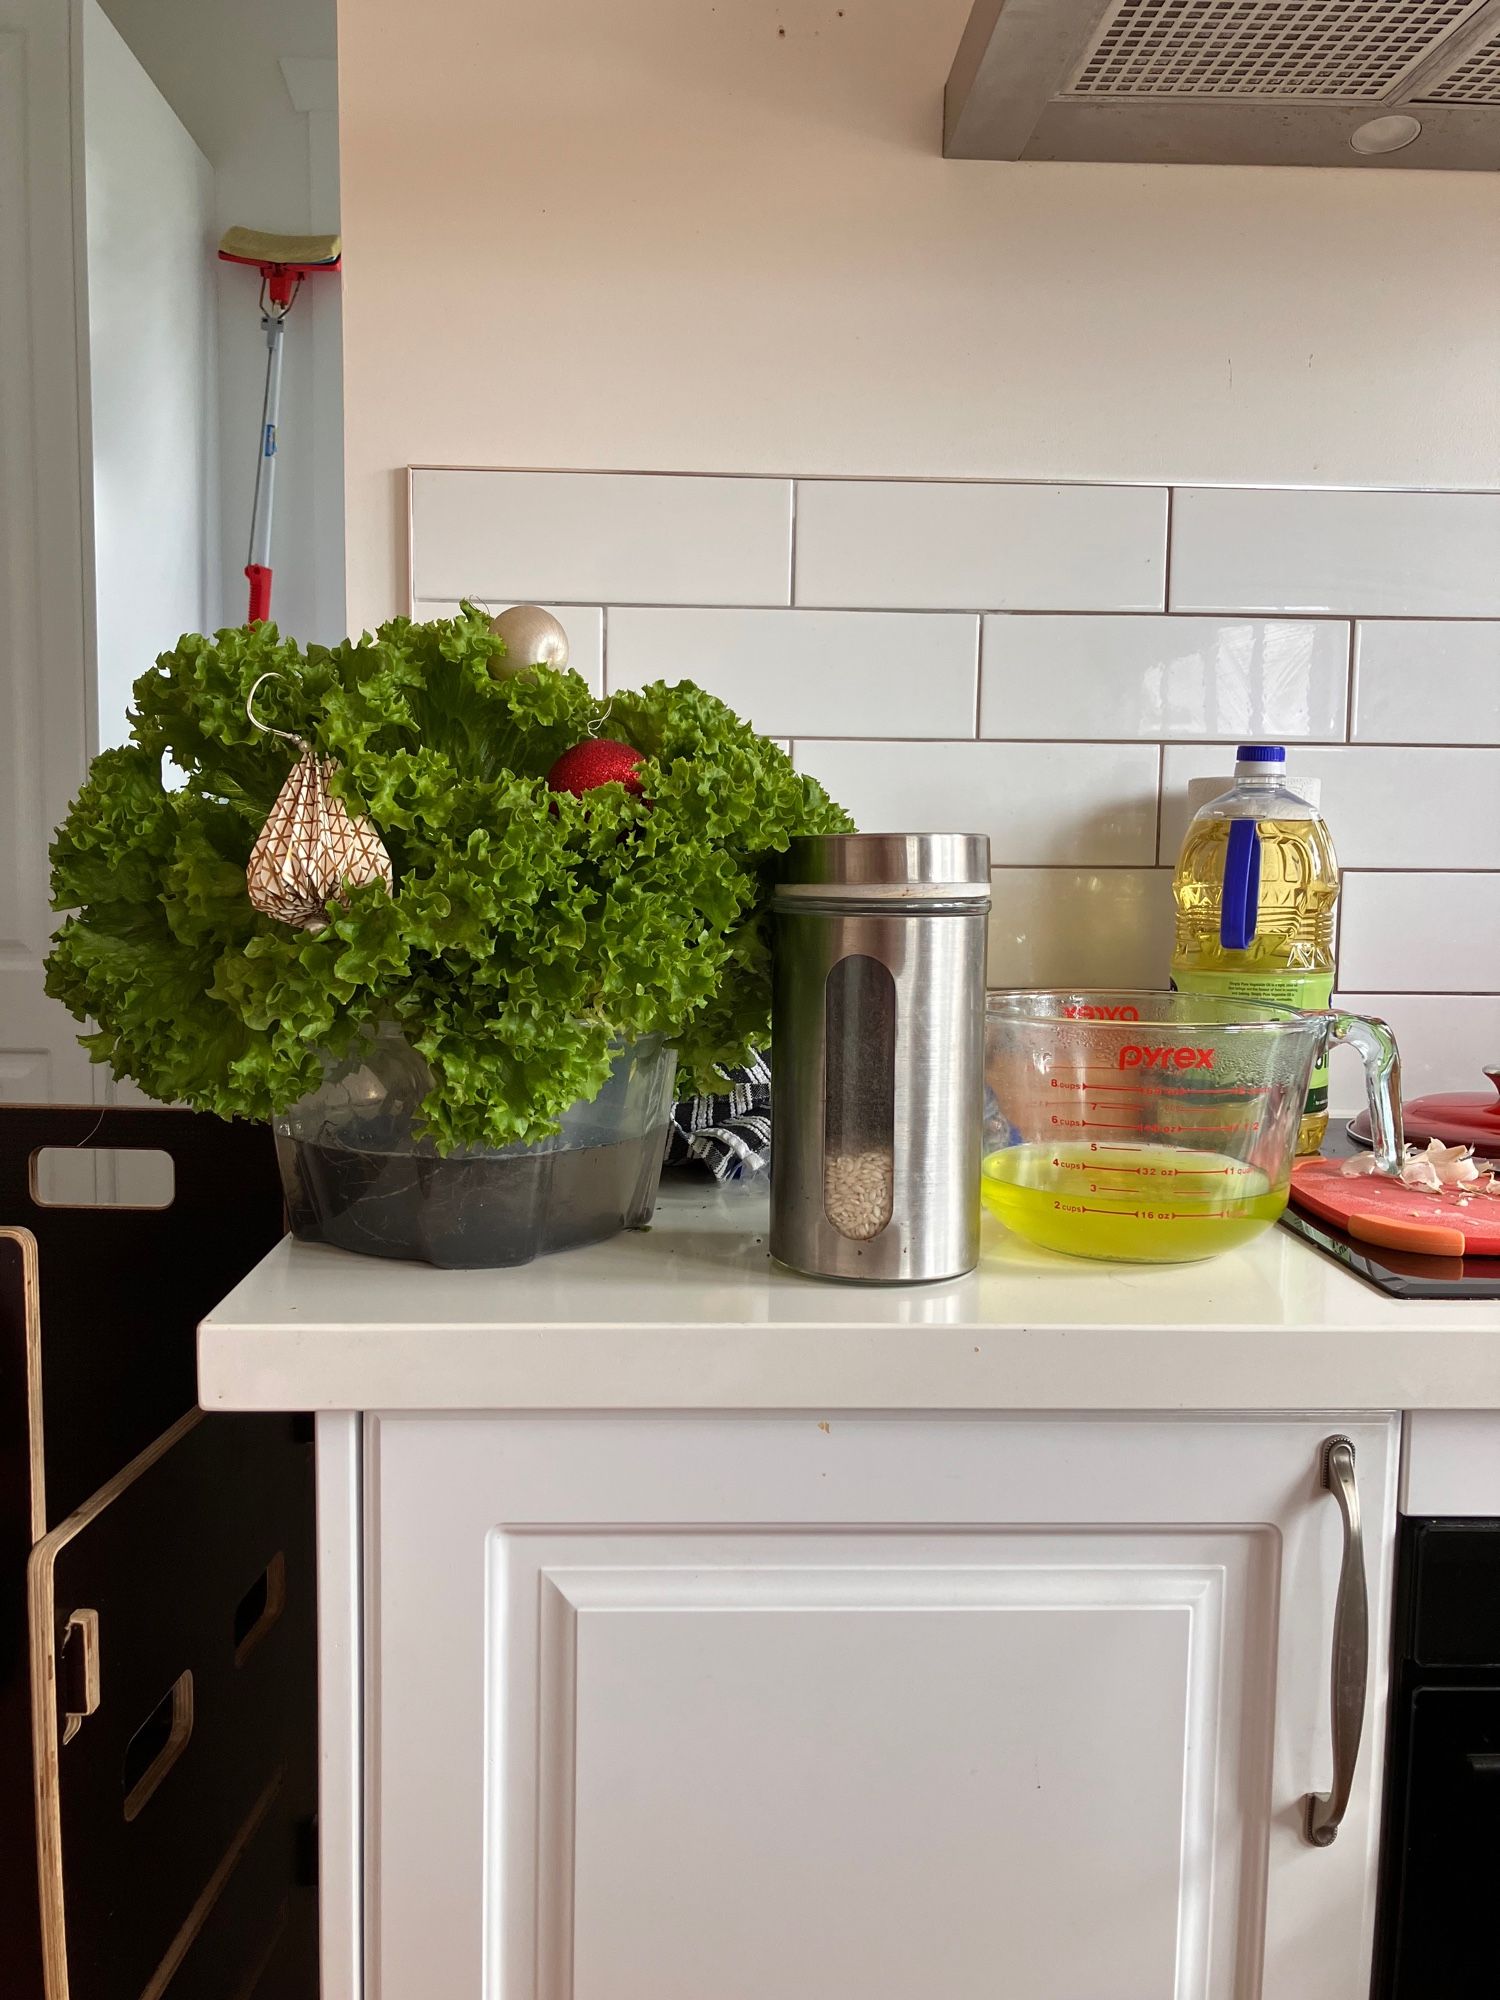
{"type": "Point", "coordinates": [1312, 990]}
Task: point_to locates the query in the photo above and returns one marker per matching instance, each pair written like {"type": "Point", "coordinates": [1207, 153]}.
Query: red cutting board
{"type": "Point", "coordinates": [1377, 1210]}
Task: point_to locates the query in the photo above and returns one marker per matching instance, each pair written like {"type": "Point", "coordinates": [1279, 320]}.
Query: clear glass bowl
{"type": "Point", "coordinates": [356, 1178]}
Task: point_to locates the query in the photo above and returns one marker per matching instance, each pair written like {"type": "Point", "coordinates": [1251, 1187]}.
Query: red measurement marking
{"type": "Point", "coordinates": [1209, 1099]}
{"type": "Point", "coordinates": [1182, 1215]}
{"type": "Point", "coordinates": [1175, 1173]}
{"type": "Point", "coordinates": [1119, 1089]}
{"type": "Point", "coordinates": [1148, 1214]}
{"type": "Point", "coordinates": [1183, 1110]}
{"type": "Point", "coordinates": [1129, 1090]}
{"type": "Point", "coordinates": [1144, 1126]}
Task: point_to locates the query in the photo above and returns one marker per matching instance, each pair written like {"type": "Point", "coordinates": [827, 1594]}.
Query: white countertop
{"type": "Point", "coordinates": [691, 1314]}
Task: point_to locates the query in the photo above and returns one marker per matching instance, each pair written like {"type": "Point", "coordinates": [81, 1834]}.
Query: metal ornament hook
{"type": "Point", "coordinates": [268, 728]}
{"type": "Point", "coordinates": [598, 721]}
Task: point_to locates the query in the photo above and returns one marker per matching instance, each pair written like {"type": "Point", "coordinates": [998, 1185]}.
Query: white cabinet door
{"type": "Point", "coordinates": [763, 1708]}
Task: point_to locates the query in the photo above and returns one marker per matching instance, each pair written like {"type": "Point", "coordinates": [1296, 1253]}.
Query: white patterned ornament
{"type": "Point", "coordinates": [312, 850]}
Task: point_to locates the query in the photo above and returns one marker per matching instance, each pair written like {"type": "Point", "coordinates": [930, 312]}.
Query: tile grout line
{"type": "Point", "coordinates": [1260, 615]}
{"type": "Point", "coordinates": [791, 573]}
{"type": "Point", "coordinates": [409, 538]}
{"type": "Point", "coordinates": [1166, 560]}
{"type": "Point", "coordinates": [1163, 743]}
{"type": "Point", "coordinates": [1161, 787]}
{"type": "Point", "coordinates": [1096, 867]}
{"type": "Point", "coordinates": [1351, 681]}
{"type": "Point", "coordinates": [1338, 931]}
{"type": "Point", "coordinates": [1166, 868]}
{"type": "Point", "coordinates": [603, 651]}
{"type": "Point", "coordinates": [978, 677]}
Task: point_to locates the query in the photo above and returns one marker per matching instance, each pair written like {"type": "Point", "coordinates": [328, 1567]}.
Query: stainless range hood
{"type": "Point", "coordinates": [1304, 83]}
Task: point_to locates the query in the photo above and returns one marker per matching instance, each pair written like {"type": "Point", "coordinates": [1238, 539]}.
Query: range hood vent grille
{"type": "Point", "coordinates": [1476, 81]}
{"type": "Point", "coordinates": [1290, 49]}
{"type": "Point", "coordinates": [1366, 85]}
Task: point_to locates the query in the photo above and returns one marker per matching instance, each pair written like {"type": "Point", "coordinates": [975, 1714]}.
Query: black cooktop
{"type": "Point", "coordinates": [1400, 1272]}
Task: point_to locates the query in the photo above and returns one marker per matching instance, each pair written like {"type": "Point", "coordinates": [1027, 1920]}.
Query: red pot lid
{"type": "Point", "coordinates": [1459, 1118]}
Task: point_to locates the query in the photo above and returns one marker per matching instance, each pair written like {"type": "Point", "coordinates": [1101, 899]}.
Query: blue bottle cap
{"type": "Point", "coordinates": [1260, 753]}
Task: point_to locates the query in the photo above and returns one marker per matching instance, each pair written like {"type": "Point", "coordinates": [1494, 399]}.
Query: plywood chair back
{"type": "Point", "coordinates": [22, 1523]}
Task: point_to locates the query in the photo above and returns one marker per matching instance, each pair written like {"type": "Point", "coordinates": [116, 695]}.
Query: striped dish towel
{"type": "Point", "coordinates": [729, 1133]}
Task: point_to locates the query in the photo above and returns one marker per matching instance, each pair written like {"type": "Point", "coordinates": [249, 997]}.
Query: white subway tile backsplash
{"type": "Point", "coordinates": [1072, 803]}
{"type": "Point", "coordinates": [1080, 927]}
{"type": "Point", "coordinates": [1397, 932]}
{"type": "Point", "coordinates": [1370, 554]}
{"type": "Point", "coordinates": [600, 537]}
{"type": "Point", "coordinates": [583, 623]}
{"type": "Point", "coordinates": [845, 617]}
{"type": "Point", "coordinates": [811, 673]}
{"type": "Point", "coordinates": [1427, 681]}
{"type": "Point", "coordinates": [947, 545]}
{"type": "Point", "coordinates": [1445, 1039]}
{"type": "Point", "coordinates": [1052, 675]}
{"type": "Point", "coordinates": [1387, 808]}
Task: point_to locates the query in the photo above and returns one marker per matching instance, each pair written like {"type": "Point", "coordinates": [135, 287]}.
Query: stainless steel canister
{"type": "Point", "coordinates": [877, 1067]}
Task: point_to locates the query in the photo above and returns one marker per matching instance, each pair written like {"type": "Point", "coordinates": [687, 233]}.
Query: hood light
{"type": "Point", "coordinates": [1386, 135]}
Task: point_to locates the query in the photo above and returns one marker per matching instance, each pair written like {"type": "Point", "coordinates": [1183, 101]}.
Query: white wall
{"type": "Point", "coordinates": [723, 238]}
{"type": "Point", "coordinates": [149, 229]}
{"type": "Point", "coordinates": [275, 167]}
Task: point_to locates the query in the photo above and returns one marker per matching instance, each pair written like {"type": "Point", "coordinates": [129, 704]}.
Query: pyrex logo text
{"type": "Point", "coordinates": [1091, 1012]}
{"type": "Point", "coordinates": [1136, 1056]}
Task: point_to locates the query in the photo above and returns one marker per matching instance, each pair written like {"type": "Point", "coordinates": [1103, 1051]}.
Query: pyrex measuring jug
{"type": "Point", "coordinates": [1157, 1127]}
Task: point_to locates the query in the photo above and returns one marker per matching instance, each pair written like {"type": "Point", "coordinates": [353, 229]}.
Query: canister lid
{"type": "Point", "coordinates": [909, 867]}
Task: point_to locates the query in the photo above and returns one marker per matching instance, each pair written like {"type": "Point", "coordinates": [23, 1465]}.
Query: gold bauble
{"type": "Point", "coordinates": [533, 638]}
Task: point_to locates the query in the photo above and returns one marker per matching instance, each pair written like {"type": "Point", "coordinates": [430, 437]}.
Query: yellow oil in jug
{"type": "Point", "coordinates": [1139, 1203]}
{"type": "Point", "coordinates": [1290, 960]}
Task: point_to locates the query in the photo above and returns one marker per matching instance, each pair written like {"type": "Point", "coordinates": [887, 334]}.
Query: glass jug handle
{"type": "Point", "coordinates": [1377, 1050]}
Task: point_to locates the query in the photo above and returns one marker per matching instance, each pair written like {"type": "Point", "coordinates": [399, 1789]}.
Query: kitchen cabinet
{"type": "Point", "coordinates": [691, 1630]}
{"type": "Point", "coordinates": [860, 1707]}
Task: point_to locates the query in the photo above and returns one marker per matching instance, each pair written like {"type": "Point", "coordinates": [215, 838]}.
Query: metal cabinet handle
{"type": "Point", "coordinates": [1351, 1649]}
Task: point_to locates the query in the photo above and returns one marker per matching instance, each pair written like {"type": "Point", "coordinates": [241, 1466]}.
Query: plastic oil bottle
{"type": "Point", "coordinates": [1257, 889]}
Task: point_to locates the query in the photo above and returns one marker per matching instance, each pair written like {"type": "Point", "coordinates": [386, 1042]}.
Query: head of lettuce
{"type": "Point", "coordinates": [528, 930]}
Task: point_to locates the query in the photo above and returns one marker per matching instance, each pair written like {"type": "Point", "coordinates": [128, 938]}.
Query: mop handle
{"type": "Point", "coordinates": [258, 568]}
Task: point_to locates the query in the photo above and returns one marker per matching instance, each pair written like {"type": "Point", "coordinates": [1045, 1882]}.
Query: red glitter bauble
{"type": "Point", "coordinates": [598, 760]}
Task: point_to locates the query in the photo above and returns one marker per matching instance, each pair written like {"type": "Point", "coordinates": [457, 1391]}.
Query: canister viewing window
{"type": "Point", "coordinates": [859, 1097]}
